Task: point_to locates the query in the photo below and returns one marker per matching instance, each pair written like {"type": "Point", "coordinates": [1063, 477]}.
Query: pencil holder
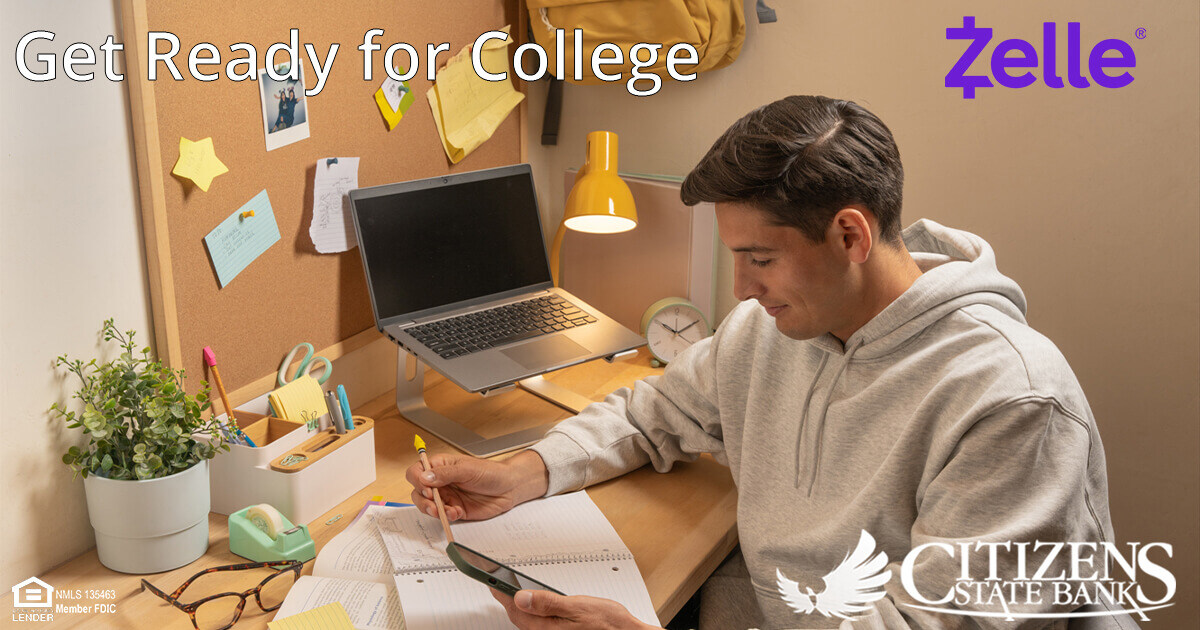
{"type": "Point", "coordinates": [246, 475]}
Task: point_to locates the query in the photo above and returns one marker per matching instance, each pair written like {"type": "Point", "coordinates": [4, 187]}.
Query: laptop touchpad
{"type": "Point", "coordinates": [545, 352]}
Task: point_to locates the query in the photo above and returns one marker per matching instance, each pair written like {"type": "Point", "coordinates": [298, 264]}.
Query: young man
{"type": "Point", "coordinates": [875, 391]}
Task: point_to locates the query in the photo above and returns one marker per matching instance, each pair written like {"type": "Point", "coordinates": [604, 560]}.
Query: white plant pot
{"type": "Point", "coordinates": [150, 525]}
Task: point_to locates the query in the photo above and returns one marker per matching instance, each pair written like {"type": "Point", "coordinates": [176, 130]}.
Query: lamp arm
{"type": "Point", "coordinates": [556, 249]}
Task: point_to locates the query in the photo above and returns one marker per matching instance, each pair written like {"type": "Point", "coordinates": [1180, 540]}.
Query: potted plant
{"type": "Point", "coordinates": [144, 472]}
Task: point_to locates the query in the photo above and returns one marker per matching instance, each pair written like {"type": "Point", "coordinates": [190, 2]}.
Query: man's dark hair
{"type": "Point", "coordinates": [802, 159]}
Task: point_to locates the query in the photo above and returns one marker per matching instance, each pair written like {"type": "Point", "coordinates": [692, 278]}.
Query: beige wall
{"type": "Point", "coordinates": [1090, 198]}
{"type": "Point", "coordinates": [71, 256]}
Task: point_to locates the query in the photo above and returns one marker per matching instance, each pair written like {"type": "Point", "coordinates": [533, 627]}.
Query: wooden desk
{"type": "Point", "coordinates": [679, 526]}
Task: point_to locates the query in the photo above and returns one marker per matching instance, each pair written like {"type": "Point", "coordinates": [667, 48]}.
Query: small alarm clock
{"type": "Point", "coordinates": [670, 326]}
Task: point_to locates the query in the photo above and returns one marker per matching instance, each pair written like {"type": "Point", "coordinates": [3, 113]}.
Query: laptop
{"type": "Point", "coordinates": [458, 275]}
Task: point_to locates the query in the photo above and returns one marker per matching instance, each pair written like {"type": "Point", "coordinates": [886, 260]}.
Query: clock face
{"type": "Point", "coordinates": [674, 329]}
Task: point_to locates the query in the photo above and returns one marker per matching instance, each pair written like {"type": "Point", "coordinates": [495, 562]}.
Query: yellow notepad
{"type": "Point", "coordinates": [299, 401]}
{"type": "Point", "coordinates": [328, 617]}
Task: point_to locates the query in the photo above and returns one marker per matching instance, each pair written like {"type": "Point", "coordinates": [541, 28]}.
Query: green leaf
{"type": "Point", "coordinates": [106, 464]}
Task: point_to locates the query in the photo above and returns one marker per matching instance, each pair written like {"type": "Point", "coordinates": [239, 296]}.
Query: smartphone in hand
{"type": "Point", "coordinates": [494, 574]}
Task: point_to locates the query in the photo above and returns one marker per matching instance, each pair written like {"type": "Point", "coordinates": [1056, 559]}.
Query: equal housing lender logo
{"type": "Point", "coordinates": [35, 601]}
{"type": "Point", "coordinates": [1006, 580]}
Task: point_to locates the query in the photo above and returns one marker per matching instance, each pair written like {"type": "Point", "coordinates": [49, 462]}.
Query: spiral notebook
{"type": "Point", "coordinates": [564, 541]}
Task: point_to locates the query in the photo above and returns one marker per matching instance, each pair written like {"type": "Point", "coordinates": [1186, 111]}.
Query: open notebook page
{"type": "Point", "coordinates": [449, 600]}
{"type": "Point", "coordinates": [358, 553]}
{"type": "Point", "coordinates": [564, 541]}
{"type": "Point", "coordinates": [565, 527]}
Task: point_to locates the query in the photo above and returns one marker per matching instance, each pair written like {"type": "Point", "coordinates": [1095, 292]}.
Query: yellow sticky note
{"type": "Point", "coordinates": [394, 98]}
{"type": "Point", "coordinates": [467, 108]}
{"type": "Point", "coordinates": [301, 400]}
{"type": "Point", "coordinates": [328, 617]}
{"type": "Point", "coordinates": [198, 162]}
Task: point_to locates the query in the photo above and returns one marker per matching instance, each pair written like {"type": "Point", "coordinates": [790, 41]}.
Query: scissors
{"type": "Point", "coordinates": [307, 365]}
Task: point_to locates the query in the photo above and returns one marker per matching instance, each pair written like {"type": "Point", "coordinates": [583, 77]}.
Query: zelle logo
{"type": "Point", "coordinates": [1012, 55]}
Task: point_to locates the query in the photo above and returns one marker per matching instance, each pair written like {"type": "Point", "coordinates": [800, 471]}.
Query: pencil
{"type": "Point", "coordinates": [211, 359]}
{"type": "Point", "coordinates": [437, 498]}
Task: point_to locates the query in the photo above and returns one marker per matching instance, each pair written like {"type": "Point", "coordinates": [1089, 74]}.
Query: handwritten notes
{"type": "Point", "coordinates": [198, 162]}
{"type": "Point", "coordinates": [332, 229]}
{"type": "Point", "coordinates": [467, 108]}
{"type": "Point", "coordinates": [394, 98]}
{"type": "Point", "coordinates": [238, 240]}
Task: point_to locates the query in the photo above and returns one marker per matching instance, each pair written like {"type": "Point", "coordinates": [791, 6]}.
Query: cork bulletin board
{"type": "Point", "coordinates": [291, 293]}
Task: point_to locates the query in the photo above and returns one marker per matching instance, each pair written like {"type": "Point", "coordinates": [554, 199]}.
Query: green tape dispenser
{"type": "Point", "coordinates": [261, 534]}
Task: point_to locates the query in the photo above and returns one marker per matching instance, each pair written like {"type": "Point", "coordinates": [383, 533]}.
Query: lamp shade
{"type": "Point", "coordinates": [600, 202]}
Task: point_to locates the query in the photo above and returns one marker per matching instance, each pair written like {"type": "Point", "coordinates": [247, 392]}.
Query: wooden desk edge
{"type": "Point", "coordinates": [671, 606]}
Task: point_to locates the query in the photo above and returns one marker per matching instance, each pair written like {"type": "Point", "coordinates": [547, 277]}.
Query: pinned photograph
{"type": "Point", "coordinates": [284, 106]}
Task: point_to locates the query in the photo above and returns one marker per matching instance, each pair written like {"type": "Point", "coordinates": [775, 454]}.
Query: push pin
{"type": "Point", "coordinates": [248, 213]}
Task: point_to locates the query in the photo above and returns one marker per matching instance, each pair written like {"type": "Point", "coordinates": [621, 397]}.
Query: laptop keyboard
{"type": "Point", "coordinates": [465, 334]}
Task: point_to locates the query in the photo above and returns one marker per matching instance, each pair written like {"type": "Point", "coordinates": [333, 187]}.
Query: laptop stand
{"type": "Point", "coordinates": [410, 400]}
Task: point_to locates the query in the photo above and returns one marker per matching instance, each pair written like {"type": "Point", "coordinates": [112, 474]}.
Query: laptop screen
{"type": "Point", "coordinates": [448, 239]}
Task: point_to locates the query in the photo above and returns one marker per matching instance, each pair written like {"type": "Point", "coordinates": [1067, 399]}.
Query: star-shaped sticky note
{"type": "Point", "coordinates": [198, 162]}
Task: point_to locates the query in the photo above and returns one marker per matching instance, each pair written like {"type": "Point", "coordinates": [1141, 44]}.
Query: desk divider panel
{"type": "Point", "coordinates": [290, 293]}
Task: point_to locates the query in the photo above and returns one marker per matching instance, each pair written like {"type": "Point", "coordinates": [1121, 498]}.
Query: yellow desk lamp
{"type": "Point", "coordinates": [599, 202]}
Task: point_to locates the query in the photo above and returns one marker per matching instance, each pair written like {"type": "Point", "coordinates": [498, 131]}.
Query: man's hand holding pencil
{"type": "Point", "coordinates": [475, 489]}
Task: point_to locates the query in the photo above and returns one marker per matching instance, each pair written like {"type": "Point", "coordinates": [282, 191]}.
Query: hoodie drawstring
{"type": "Point", "coordinates": [804, 413]}
{"type": "Point", "coordinates": [815, 467]}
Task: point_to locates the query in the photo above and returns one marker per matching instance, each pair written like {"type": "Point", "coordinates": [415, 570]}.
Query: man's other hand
{"type": "Point", "coordinates": [543, 610]}
{"type": "Point", "coordinates": [475, 489]}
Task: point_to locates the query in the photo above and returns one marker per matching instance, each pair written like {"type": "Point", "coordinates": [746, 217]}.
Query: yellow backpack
{"type": "Point", "coordinates": [716, 28]}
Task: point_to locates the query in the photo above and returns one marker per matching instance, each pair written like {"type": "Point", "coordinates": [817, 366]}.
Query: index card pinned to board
{"type": "Point", "coordinates": [237, 241]}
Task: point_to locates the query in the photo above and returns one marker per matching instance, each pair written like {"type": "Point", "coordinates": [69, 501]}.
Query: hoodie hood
{"type": "Point", "coordinates": [958, 270]}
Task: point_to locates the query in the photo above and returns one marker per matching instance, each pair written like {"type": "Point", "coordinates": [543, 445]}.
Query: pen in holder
{"type": "Point", "coordinates": [288, 472]}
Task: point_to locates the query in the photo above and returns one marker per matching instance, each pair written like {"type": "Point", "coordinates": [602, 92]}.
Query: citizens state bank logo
{"type": "Point", "coordinates": [853, 584]}
{"type": "Point", "coordinates": [997, 579]}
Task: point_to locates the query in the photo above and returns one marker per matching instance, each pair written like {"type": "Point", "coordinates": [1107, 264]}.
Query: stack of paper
{"type": "Point", "coordinates": [301, 400]}
{"type": "Point", "coordinates": [390, 568]}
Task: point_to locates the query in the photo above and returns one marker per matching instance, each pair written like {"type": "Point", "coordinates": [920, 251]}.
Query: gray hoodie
{"type": "Point", "coordinates": [945, 419]}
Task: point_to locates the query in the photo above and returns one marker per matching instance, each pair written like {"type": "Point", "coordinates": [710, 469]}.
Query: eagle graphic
{"type": "Point", "coordinates": [856, 582]}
